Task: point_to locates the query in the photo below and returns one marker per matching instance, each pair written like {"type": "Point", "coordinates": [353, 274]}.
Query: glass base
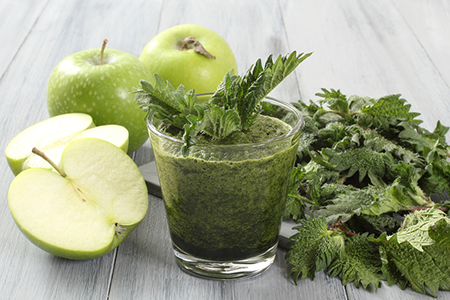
{"type": "Point", "coordinates": [224, 270]}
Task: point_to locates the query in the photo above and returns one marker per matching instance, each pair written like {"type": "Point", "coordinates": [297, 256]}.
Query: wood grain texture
{"type": "Point", "coordinates": [365, 48]}
{"type": "Point", "coordinates": [369, 48]}
{"type": "Point", "coordinates": [431, 25]}
{"type": "Point", "coordinates": [17, 20]}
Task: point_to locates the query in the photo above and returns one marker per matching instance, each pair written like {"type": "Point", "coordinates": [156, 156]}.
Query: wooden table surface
{"type": "Point", "coordinates": [371, 48]}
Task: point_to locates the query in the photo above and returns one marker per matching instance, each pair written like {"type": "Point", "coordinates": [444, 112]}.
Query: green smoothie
{"type": "Point", "coordinates": [226, 202]}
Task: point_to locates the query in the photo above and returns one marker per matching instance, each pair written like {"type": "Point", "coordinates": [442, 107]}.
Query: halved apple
{"type": "Point", "coordinates": [53, 134]}
{"type": "Point", "coordinates": [87, 209]}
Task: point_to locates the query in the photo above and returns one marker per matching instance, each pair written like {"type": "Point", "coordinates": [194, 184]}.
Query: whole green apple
{"type": "Point", "coordinates": [172, 54]}
{"type": "Point", "coordinates": [100, 82]}
{"type": "Point", "coordinates": [86, 209]}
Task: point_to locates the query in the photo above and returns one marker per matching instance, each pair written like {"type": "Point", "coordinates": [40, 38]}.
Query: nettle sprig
{"type": "Point", "coordinates": [233, 107]}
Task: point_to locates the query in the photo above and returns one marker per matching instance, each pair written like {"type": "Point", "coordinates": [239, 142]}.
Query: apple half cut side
{"type": "Point", "coordinates": [52, 135]}
{"type": "Point", "coordinates": [87, 211]}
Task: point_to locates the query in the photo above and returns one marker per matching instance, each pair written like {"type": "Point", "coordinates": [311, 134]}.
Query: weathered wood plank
{"type": "Point", "coordinates": [364, 48]}
{"type": "Point", "coordinates": [430, 23]}
{"type": "Point", "coordinates": [18, 18]}
{"type": "Point", "coordinates": [62, 28]}
{"type": "Point", "coordinates": [390, 292]}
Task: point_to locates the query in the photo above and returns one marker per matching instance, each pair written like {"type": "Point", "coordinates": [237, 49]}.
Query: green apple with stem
{"type": "Point", "coordinates": [52, 136]}
{"type": "Point", "coordinates": [191, 55]}
{"type": "Point", "coordinates": [86, 209]}
{"type": "Point", "coordinates": [101, 82]}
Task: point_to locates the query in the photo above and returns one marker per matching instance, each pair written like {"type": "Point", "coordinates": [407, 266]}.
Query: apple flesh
{"type": "Point", "coordinates": [163, 56]}
{"type": "Point", "coordinates": [52, 136]}
{"type": "Point", "coordinates": [82, 83]}
{"type": "Point", "coordinates": [86, 212]}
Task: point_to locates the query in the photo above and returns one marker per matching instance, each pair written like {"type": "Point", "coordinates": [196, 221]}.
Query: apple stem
{"type": "Point", "coordinates": [197, 46]}
{"type": "Point", "coordinates": [105, 41]}
{"type": "Point", "coordinates": [45, 157]}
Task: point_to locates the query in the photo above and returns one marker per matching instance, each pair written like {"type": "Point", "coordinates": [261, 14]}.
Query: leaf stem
{"type": "Point", "coordinates": [102, 53]}
{"type": "Point", "coordinates": [345, 230]}
{"type": "Point", "coordinates": [336, 112]}
{"type": "Point", "coordinates": [51, 162]}
{"type": "Point", "coordinates": [304, 199]}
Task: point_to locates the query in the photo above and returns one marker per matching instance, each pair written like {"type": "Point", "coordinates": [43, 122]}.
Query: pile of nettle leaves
{"type": "Point", "coordinates": [370, 195]}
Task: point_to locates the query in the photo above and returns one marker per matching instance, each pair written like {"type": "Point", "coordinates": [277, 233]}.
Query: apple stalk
{"type": "Point", "coordinates": [51, 162]}
{"type": "Point", "coordinates": [105, 41]}
{"type": "Point", "coordinates": [60, 171]}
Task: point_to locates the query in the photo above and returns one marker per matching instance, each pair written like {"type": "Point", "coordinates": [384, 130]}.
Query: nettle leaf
{"type": "Point", "coordinates": [305, 109]}
{"type": "Point", "coordinates": [356, 103]}
{"type": "Point", "coordinates": [244, 94]}
{"type": "Point", "coordinates": [330, 96]}
{"type": "Point", "coordinates": [393, 198]}
{"type": "Point", "coordinates": [386, 109]}
{"type": "Point", "coordinates": [219, 123]}
{"type": "Point", "coordinates": [362, 160]}
{"type": "Point", "coordinates": [340, 136]}
{"type": "Point", "coordinates": [346, 204]}
{"type": "Point", "coordinates": [304, 145]}
{"type": "Point", "coordinates": [315, 177]}
{"type": "Point", "coordinates": [405, 265]}
{"type": "Point", "coordinates": [339, 106]}
{"type": "Point", "coordinates": [423, 141]}
{"type": "Point", "coordinates": [374, 224]}
{"type": "Point", "coordinates": [439, 132]}
{"type": "Point", "coordinates": [419, 140]}
{"type": "Point", "coordinates": [170, 105]}
{"type": "Point", "coordinates": [313, 248]}
{"type": "Point", "coordinates": [378, 143]}
{"type": "Point", "coordinates": [415, 227]}
{"type": "Point", "coordinates": [295, 204]}
{"type": "Point", "coordinates": [361, 263]}
{"type": "Point", "coordinates": [408, 176]}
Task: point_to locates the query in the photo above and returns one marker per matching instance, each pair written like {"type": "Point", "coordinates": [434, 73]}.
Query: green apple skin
{"type": "Point", "coordinates": [80, 83]}
{"type": "Point", "coordinates": [162, 56]}
{"type": "Point", "coordinates": [56, 129]}
{"type": "Point", "coordinates": [89, 212]}
{"type": "Point", "coordinates": [53, 134]}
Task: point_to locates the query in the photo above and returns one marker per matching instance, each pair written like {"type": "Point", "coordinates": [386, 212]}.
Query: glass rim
{"type": "Point", "coordinates": [294, 130]}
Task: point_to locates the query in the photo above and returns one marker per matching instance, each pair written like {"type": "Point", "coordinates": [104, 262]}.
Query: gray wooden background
{"type": "Point", "coordinates": [368, 48]}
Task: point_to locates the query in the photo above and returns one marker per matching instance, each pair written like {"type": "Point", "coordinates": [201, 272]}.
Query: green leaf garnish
{"type": "Point", "coordinates": [233, 107]}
